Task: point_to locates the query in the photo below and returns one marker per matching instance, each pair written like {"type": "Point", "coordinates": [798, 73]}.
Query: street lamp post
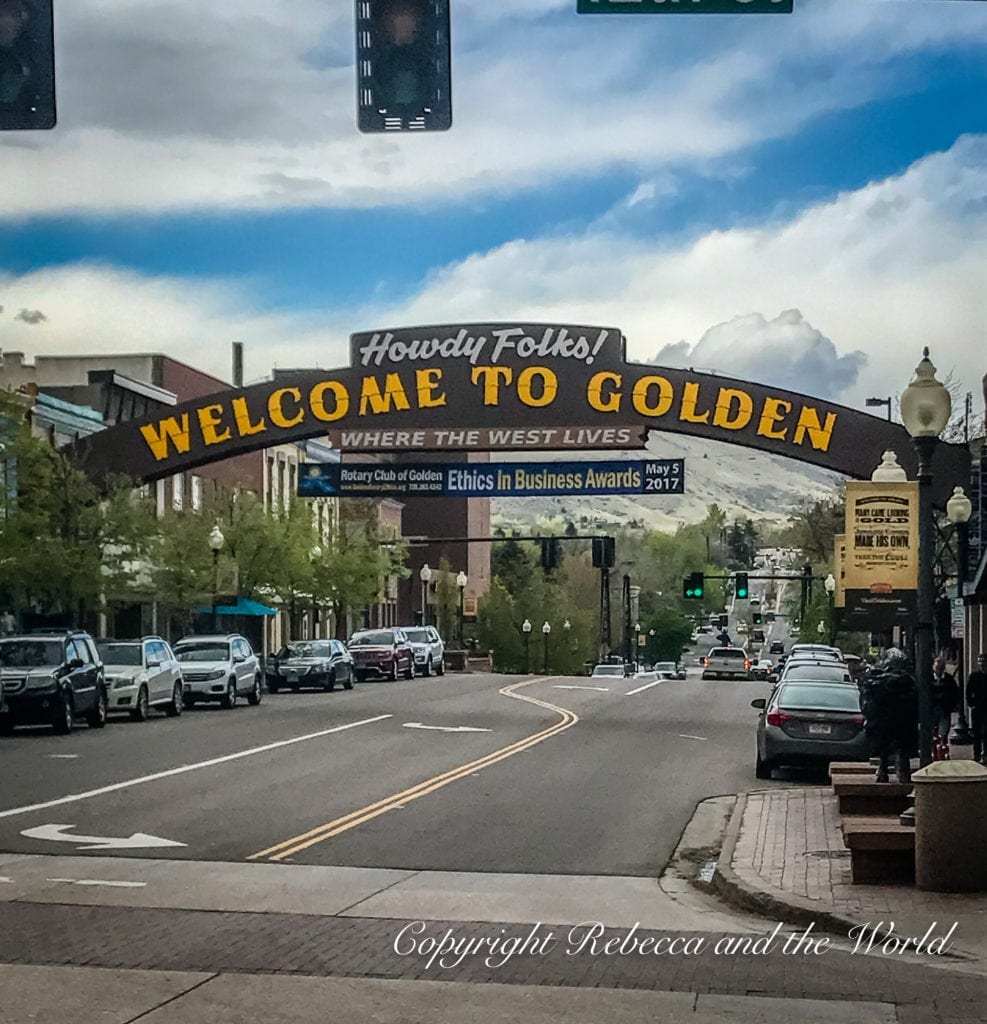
{"type": "Point", "coordinates": [425, 574]}
{"type": "Point", "coordinates": [461, 581]}
{"type": "Point", "coordinates": [545, 630]}
{"type": "Point", "coordinates": [315, 553]}
{"type": "Point", "coordinates": [830, 584]}
{"type": "Point", "coordinates": [958, 510]}
{"type": "Point", "coordinates": [526, 630]}
{"type": "Point", "coordinates": [216, 541]}
{"type": "Point", "coordinates": [651, 645]}
{"type": "Point", "coordinates": [925, 409]}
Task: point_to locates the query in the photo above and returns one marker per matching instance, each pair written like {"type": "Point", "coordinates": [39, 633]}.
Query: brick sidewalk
{"type": "Point", "coordinates": [790, 851]}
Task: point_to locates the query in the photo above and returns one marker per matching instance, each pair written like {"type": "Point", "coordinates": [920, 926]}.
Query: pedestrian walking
{"type": "Point", "coordinates": [976, 699]}
{"type": "Point", "coordinates": [945, 696]}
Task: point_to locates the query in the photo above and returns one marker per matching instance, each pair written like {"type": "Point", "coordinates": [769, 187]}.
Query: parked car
{"type": "Point", "coordinates": [815, 671]}
{"type": "Point", "coordinates": [429, 649]}
{"type": "Point", "coordinates": [608, 671]}
{"type": "Point", "coordinates": [382, 652]}
{"type": "Point", "coordinates": [51, 678]}
{"type": "Point", "coordinates": [218, 668]}
{"type": "Point", "coordinates": [809, 723]}
{"type": "Point", "coordinates": [313, 663]}
{"type": "Point", "coordinates": [141, 674]}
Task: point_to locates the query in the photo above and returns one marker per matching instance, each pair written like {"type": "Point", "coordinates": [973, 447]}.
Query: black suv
{"type": "Point", "coordinates": [51, 677]}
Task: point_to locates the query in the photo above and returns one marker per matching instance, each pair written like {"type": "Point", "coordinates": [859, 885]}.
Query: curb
{"type": "Point", "coordinates": [790, 909]}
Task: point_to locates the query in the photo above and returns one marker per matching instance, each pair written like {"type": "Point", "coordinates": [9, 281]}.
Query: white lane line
{"type": "Point", "coordinates": [4, 878]}
{"type": "Point", "coordinates": [99, 881]}
{"type": "Point", "coordinates": [686, 736]}
{"type": "Point", "coordinates": [602, 689]}
{"type": "Point", "coordinates": [187, 768]}
{"type": "Point", "coordinates": [647, 686]}
{"type": "Point", "coordinates": [63, 757]}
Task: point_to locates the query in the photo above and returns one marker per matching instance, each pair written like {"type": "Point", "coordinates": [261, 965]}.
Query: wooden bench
{"type": "Point", "coordinates": [882, 851]}
{"type": "Point", "coordinates": [860, 794]}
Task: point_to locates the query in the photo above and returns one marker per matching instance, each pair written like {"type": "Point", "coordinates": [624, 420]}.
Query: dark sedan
{"type": "Point", "coordinates": [311, 663]}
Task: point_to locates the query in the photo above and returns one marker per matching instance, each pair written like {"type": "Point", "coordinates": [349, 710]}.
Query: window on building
{"type": "Point", "coordinates": [196, 483]}
{"type": "Point", "coordinates": [177, 491]}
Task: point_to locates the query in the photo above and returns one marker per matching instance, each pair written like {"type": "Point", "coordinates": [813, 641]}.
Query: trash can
{"type": "Point", "coordinates": [951, 826]}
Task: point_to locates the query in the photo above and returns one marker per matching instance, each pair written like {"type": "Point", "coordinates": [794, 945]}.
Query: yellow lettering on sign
{"type": "Point", "coordinates": [490, 376]}
{"type": "Point", "coordinates": [734, 409]}
{"type": "Point", "coordinates": [317, 401]}
{"type": "Point", "coordinates": [595, 395]}
{"type": "Point", "coordinates": [819, 434]}
{"type": "Point", "coordinates": [211, 417]}
{"type": "Point", "coordinates": [773, 411]}
{"type": "Point", "coordinates": [690, 397]}
{"type": "Point", "coordinates": [380, 402]}
{"type": "Point", "coordinates": [167, 430]}
{"type": "Point", "coordinates": [549, 386]}
{"type": "Point", "coordinates": [242, 416]}
{"type": "Point", "coordinates": [427, 381]}
{"type": "Point", "coordinates": [640, 397]}
{"type": "Point", "coordinates": [275, 408]}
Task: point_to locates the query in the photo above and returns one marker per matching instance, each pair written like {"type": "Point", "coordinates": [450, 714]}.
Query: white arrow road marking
{"type": "Point", "coordinates": [139, 840]}
{"type": "Point", "coordinates": [4, 878]}
{"type": "Point", "coordinates": [99, 881]}
{"type": "Point", "coordinates": [187, 768]}
{"type": "Point", "coordinates": [602, 689]}
{"type": "Point", "coordinates": [686, 736]}
{"type": "Point", "coordinates": [647, 686]}
{"type": "Point", "coordinates": [444, 728]}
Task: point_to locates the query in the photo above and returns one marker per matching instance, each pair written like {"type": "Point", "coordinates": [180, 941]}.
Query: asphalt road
{"type": "Point", "coordinates": [564, 778]}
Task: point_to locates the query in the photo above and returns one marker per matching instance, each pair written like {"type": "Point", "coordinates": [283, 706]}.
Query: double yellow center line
{"type": "Point", "coordinates": [289, 847]}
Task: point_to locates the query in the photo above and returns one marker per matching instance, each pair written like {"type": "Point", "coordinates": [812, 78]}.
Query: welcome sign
{"type": "Point", "coordinates": [504, 380]}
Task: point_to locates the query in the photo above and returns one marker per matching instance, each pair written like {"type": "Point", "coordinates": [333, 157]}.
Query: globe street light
{"type": "Point", "coordinates": [461, 581]}
{"type": "Point", "coordinates": [925, 408]}
{"type": "Point", "coordinates": [216, 541]}
{"type": "Point", "coordinates": [830, 584]}
{"type": "Point", "coordinates": [526, 630]}
{"type": "Point", "coordinates": [958, 510]}
{"type": "Point", "coordinates": [545, 630]}
{"type": "Point", "coordinates": [651, 645]}
{"type": "Point", "coordinates": [425, 575]}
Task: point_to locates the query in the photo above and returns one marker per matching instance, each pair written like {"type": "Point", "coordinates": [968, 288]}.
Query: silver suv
{"type": "Point", "coordinates": [141, 674]}
{"type": "Point", "coordinates": [218, 668]}
{"type": "Point", "coordinates": [429, 649]}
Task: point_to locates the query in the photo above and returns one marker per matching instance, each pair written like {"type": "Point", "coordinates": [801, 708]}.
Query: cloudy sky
{"type": "Point", "coordinates": [795, 199]}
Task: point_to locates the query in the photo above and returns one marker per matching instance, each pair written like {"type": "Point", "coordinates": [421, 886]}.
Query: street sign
{"type": "Point", "coordinates": [956, 618]}
{"type": "Point", "coordinates": [684, 6]}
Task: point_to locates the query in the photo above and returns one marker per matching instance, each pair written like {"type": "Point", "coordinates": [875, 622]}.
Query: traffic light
{"type": "Point", "coordinates": [740, 586]}
{"type": "Point", "coordinates": [693, 586]}
{"type": "Point", "coordinates": [550, 554]}
{"type": "Point", "coordinates": [27, 65]}
{"type": "Point", "coordinates": [604, 553]}
{"type": "Point", "coordinates": [758, 619]}
{"type": "Point", "coordinates": [404, 81]}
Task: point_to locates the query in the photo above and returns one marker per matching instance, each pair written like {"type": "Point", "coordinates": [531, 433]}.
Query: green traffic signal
{"type": "Point", "coordinates": [741, 588]}
{"type": "Point", "coordinates": [693, 586]}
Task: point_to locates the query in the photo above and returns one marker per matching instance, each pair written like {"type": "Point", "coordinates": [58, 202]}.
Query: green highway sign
{"type": "Point", "coordinates": [684, 6]}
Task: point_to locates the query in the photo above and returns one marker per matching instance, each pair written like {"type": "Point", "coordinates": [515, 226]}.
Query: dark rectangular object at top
{"type": "Point", "coordinates": [27, 68]}
{"type": "Point", "coordinates": [684, 6]}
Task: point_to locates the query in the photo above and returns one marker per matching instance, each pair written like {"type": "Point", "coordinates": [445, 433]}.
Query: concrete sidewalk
{"type": "Point", "coordinates": [783, 856]}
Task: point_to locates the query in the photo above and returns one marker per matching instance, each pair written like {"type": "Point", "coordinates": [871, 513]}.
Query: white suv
{"type": "Point", "coordinates": [429, 649]}
{"type": "Point", "coordinates": [220, 668]}
{"type": "Point", "coordinates": [141, 674]}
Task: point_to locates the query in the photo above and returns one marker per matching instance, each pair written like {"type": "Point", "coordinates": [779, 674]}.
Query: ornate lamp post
{"type": "Point", "coordinates": [830, 584]}
{"type": "Point", "coordinates": [216, 541]}
{"type": "Point", "coordinates": [958, 510]}
{"type": "Point", "coordinates": [461, 581]}
{"type": "Point", "coordinates": [425, 575]}
{"type": "Point", "coordinates": [925, 409]}
{"type": "Point", "coordinates": [545, 630]}
{"type": "Point", "coordinates": [526, 630]}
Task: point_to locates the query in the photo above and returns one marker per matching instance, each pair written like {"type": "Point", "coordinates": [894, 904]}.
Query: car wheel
{"type": "Point", "coordinates": [348, 684]}
{"type": "Point", "coordinates": [174, 707]}
{"type": "Point", "coordinates": [64, 715]}
{"type": "Point", "coordinates": [97, 717]}
{"type": "Point", "coordinates": [762, 769]}
{"type": "Point", "coordinates": [394, 671]}
{"type": "Point", "coordinates": [441, 670]}
{"type": "Point", "coordinates": [229, 698]}
{"type": "Point", "coordinates": [409, 672]}
{"type": "Point", "coordinates": [141, 709]}
{"type": "Point", "coordinates": [428, 666]}
{"type": "Point", "coordinates": [254, 697]}
{"type": "Point", "coordinates": [330, 684]}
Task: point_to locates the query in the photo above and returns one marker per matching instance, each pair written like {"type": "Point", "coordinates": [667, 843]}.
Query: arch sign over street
{"type": "Point", "coordinates": [503, 386]}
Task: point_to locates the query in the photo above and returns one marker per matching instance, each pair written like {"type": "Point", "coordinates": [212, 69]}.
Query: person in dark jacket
{"type": "Point", "coordinates": [976, 699]}
{"type": "Point", "coordinates": [945, 697]}
{"type": "Point", "coordinates": [889, 702]}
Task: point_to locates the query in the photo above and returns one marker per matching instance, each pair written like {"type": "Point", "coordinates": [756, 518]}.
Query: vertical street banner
{"type": "Point", "coordinates": [880, 568]}
{"type": "Point", "coordinates": [839, 573]}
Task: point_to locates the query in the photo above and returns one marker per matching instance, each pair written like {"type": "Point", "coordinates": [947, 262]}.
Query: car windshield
{"type": "Point", "coordinates": [608, 670]}
{"type": "Point", "coordinates": [727, 652]}
{"type": "Point", "coordinates": [312, 649]}
{"type": "Point", "coordinates": [212, 651]}
{"type": "Point", "coordinates": [30, 653]}
{"type": "Point", "coordinates": [827, 673]}
{"type": "Point", "coordinates": [417, 636]}
{"type": "Point", "coordinates": [378, 638]}
{"type": "Point", "coordinates": [823, 697]}
{"type": "Point", "coordinates": [120, 654]}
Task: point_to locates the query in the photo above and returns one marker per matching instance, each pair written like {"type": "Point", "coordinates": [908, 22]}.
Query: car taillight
{"type": "Point", "coordinates": [747, 664]}
{"type": "Point", "coordinates": [857, 720]}
{"type": "Point", "coordinates": [778, 717]}
{"type": "Point", "coordinates": [705, 662]}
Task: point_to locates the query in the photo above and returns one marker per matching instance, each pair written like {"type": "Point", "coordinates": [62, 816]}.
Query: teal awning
{"type": "Point", "coordinates": [243, 606]}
